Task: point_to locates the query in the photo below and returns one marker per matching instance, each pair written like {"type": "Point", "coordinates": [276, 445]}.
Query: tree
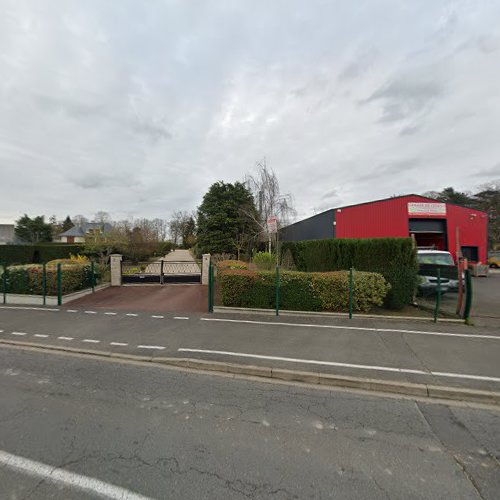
{"type": "Point", "coordinates": [488, 199]}
{"type": "Point", "coordinates": [188, 232]}
{"type": "Point", "coordinates": [102, 217]}
{"type": "Point", "coordinates": [34, 230]}
{"type": "Point", "coordinates": [67, 224]}
{"type": "Point", "coordinates": [103, 245]}
{"type": "Point", "coordinates": [227, 212]}
{"type": "Point", "coordinates": [449, 195]}
{"type": "Point", "coordinates": [270, 201]}
{"type": "Point", "coordinates": [79, 220]}
{"type": "Point", "coordinates": [183, 228]}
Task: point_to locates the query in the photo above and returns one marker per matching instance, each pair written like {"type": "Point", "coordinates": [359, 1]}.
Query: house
{"type": "Point", "coordinates": [77, 234]}
{"type": "Point", "coordinates": [7, 234]}
{"type": "Point", "coordinates": [433, 224]}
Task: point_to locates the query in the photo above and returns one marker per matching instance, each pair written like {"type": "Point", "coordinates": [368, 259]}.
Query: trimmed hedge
{"type": "Point", "coordinates": [33, 254]}
{"type": "Point", "coordinates": [394, 258]}
{"type": "Point", "coordinates": [28, 279]}
{"type": "Point", "coordinates": [302, 291]}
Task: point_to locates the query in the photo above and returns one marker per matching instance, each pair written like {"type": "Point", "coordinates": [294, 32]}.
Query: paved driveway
{"type": "Point", "coordinates": [156, 298]}
{"type": "Point", "coordinates": [487, 295]}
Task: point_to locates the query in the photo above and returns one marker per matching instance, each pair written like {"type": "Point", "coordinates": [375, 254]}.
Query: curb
{"type": "Point", "coordinates": [311, 378]}
{"type": "Point", "coordinates": [308, 314]}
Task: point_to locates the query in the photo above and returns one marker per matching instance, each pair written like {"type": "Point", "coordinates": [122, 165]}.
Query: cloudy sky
{"type": "Point", "coordinates": [135, 107]}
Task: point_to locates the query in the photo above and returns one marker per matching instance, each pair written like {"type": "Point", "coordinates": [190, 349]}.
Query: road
{"type": "Point", "coordinates": [440, 354]}
{"type": "Point", "coordinates": [80, 428]}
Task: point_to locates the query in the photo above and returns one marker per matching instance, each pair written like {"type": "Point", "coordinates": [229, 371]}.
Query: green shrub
{"type": "Point", "coordinates": [30, 254]}
{"type": "Point", "coordinates": [28, 279]}
{"type": "Point", "coordinates": [394, 258]}
{"type": "Point", "coordinates": [264, 261]}
{"type": "Point", "coordinates": [302, 291]}
{"type": "Point", "coordinates": [231, 264]}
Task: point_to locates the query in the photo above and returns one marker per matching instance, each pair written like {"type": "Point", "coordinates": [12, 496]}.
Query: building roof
{"type": "Point", "coordinates": [84, 228]}
{"type": "Point", "coordinates": [385, 199]}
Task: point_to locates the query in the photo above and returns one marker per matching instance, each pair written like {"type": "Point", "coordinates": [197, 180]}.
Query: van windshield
{"type": "Point", "coordinates": [440, 259]}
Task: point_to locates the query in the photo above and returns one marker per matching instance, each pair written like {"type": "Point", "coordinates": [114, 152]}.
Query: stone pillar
{"type": "Point", "coordinates": [116, 269]}
{"type": "Point", "coordinates": [204, 268]}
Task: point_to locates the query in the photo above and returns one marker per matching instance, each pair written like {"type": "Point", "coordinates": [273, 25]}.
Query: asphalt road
{"type": "Point", "coordinates": [78, 428]}
{"type": "Point", "coordinates": [440, 354]}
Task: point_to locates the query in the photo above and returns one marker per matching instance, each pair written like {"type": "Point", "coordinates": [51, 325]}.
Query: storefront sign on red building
{"type": "Point", "coordinates": [426, 208]}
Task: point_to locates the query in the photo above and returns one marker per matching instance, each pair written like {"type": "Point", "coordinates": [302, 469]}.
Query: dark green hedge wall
{"type": "Point", "coordinates": [29, 254]}
{"type": "Point", "coordinates": [394, 258]}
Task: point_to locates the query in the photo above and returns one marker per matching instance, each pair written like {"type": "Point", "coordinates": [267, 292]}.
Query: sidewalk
{"type": "Point", "coordinates": [411, 357]}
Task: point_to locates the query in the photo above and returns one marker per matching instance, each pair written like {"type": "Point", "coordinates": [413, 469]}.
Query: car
{"type": "Point", "coordinates": [429, 262]}
{"type": "Point", "coordinates": [494, 260]}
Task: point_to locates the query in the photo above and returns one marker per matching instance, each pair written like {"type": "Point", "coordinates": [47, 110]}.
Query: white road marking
{"type": "Point", "coordinates": [67, 478]}
{"type": "Point", "coordinates": [29, 308]}
{"type": "Point", "coordinates": [118, 343]}
{"type": "Point", "coordinates": [90, 312]}
{"type": "Point", "coordinates": [91, 341]}
{"type": "Point", "coordinates": [356, 328]}
{"type": "Point", "coordinates": [40, 335]}
{"type": "Point", "coordinates": [159, 347]}
{"type": "Point", "coordinates": [110, 314]}
{"type": "Point", "coordinates": [160, 317]}
{"type": "Point", "coordinates": [1, 331]}
{"type": "Point", "coordinates": [344, 365]}
{"type": "Point", "coordinates": [18, 333]}
{"type": "Point", "coordinates": [72, 310]}
{"type": "Point", "coordinates": [65, 338]}
{"type": "Point", "coordinates": [131, 314]}
{"type": "Point", "coordinates": [181, 317]}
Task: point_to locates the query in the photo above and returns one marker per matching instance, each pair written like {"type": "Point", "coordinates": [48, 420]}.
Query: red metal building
{"type": "Point", "coordinates": [433, 224]}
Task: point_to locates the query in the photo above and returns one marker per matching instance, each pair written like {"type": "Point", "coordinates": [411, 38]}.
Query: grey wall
{"type": "Point", "coordinates": [6, 233]}
{"type": "Point", "coordinates": [317, 227]}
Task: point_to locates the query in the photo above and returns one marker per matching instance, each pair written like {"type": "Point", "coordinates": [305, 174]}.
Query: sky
{"type": "Point", "coordinates": [136, 107]}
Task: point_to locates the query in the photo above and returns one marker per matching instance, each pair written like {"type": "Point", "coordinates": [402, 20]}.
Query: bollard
{"type": "Point", "coordinates": [4, 282]}
{"type": "Point", "coordinates": [92, 278]}
{"type": "Point", "coordinates": [210, 288]}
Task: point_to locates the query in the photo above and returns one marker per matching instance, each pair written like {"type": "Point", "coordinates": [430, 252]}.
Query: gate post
{"type": "Point", "coordinates": [205, 264]}
{"type": "Point", "coordinates": [116, 269]}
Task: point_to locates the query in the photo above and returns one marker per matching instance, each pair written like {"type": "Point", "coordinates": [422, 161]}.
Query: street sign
{"type": "Point", "coordinates": [272, 224]}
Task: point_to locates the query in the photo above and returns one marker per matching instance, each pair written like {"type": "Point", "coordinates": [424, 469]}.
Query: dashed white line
{"type": "Point", "coordinates": [118, 343]}
{"type": "Point", "coordinates": [91, 341]}
{"type": "Point", "coordinates": [90, 312]}
{"type": "Point", "coordinates": [157, 316]}
{"type": "Point", "coordinates": [1, 331]}
{"type": "Point", "coordinates": [72, 310]}
{"type": "Point", "coordinates": [65, 338]}
{"type": "Point", "coordinates": [158, 347]}
{"type": "Point", "coordinates": [59, 476]}
{"type": "Point", "coordinates": [110, 314]}
{"type": "Point", "coordinates": [18, 333]}
{"type": "Point", "coordinates": [40, 335]}
{"type": "Point", "coordinates": [181, 317]}
{"type": "Point", "coordinates": [344, 365]}
{"type": "Point", "coordinates": [131, 314]}
{"type": "Point", "coordinates": [354, 328]}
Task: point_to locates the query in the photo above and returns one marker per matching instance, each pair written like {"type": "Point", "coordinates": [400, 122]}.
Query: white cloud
{"type": "Point", "coordinates": [137, 107]}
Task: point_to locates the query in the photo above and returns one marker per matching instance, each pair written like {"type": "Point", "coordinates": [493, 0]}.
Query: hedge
{"type": "Point", "coordinates": [28, 279]}
{"type": "Point", "coordinates": [32, 254]}
{"type": "Point", "coordinates": [394, 258]}
{"type": "Point", "coordinates": [301, 291]}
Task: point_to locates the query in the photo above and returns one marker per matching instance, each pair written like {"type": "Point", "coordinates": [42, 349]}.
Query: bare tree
{"type": "Point", "coordinates": [79, 220]}
{"type": "Point", "coordinates": [102, 217]}
{"type": "Point", "coordinates": [265, 188]}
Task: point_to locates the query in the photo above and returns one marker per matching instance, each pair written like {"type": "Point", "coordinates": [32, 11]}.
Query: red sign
{"type": "Point", "coordinates": [272, 224]}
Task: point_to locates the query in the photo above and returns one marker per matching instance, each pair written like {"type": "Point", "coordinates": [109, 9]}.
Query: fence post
{"type": "Point", "coordinates": [92, 271]}
{"type": "Point", "coordinates": [350, 291]}
{"type": "Point", "coordinates": [210, 288]}
{"type": "Point", "coordinates": [438, 296]}
{"type": "Point", "coordinates": [161, 272]}
{"type": "Point", "coordinates": [59, 284]}
{"type": "Point", "coordinates": [468, 296]}
{"type": "Point", "coordinates": [116, 269]}
{"type": "Point", "coordinates": [44, 283]}
{"type": "Point", "coordinates": [4, 282]}
{"type": "Point", "coordinates": [277, 290]}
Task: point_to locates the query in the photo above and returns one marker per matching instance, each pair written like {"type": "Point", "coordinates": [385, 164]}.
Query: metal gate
{"type": "Point", "coordinates": [161, 272]}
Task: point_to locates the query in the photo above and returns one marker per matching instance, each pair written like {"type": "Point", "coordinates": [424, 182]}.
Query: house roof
{"type": "Point", "coordinates": [84, 228]}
